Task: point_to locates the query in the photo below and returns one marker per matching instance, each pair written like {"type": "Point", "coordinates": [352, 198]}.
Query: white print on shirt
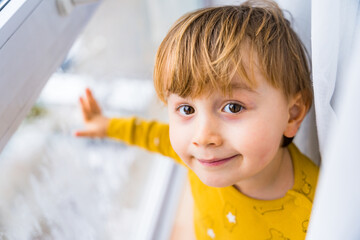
{"type": "Point", "coordinates": [156, 141]}
{"type": "Point", "coordinates": [211, 233]}
{"type": "Point", "coordinates": [231, 217]}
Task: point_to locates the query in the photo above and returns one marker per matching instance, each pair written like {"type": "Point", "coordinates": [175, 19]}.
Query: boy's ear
{"type": "Point", "coordinates": [297, 112]}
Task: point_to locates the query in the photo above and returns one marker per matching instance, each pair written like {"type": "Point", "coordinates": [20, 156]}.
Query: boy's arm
{"type": "Point", "coordinates": [150, 135]}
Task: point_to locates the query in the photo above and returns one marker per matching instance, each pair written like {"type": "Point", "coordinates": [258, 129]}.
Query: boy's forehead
{"type": "Point", "coordinates": [237, 83]}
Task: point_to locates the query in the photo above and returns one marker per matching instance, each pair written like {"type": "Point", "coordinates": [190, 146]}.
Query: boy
{"type": "Point", "coordinates": [237, 86]}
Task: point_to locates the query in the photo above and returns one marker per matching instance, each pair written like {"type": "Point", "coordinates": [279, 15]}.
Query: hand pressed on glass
{"type": "Point", "coordinates": [95, 122]}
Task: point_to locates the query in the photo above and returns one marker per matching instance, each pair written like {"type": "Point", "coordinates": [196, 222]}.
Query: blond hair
{"type": "Point", "coordinates": [204, 49]}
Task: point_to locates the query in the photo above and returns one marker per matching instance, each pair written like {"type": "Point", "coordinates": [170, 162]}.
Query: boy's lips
{"type": "Point", "coordinates": [216, 161]}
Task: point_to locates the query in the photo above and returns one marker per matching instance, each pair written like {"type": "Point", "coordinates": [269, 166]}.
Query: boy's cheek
{"type": "Point", "coordinates": [177, 135]}
{"type": "Point", "coordinates": [265, 142]}
{"type": "Point", "coordinates": [259, 138]}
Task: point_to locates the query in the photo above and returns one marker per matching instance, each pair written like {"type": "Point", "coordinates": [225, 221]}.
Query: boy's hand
{"type": "Point", "coordinates": [96, 124]}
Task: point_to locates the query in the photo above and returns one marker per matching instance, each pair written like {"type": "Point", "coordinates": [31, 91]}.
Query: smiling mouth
{"type": "Point", "coordinates": [216, 161]}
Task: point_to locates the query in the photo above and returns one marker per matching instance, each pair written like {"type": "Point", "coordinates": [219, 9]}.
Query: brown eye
{"type": "Point", "coordinates": [186, 110]}
{"type": "Point", "coordinates": [233, 108]}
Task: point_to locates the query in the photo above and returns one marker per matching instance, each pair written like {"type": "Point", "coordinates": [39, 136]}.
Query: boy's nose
{"type": "Point", "coordinates": [207, 134]}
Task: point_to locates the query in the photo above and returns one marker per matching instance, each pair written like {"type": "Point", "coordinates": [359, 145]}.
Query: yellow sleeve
{"type": "Point", "coordinates": [149, 135]}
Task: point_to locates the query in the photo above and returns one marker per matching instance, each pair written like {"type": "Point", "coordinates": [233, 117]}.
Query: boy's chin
{"type": "Point", "coordinates": [213, 182]}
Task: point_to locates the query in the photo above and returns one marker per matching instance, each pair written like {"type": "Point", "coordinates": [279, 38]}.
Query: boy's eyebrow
{"type": "Point", "coordinates": [240, 85]}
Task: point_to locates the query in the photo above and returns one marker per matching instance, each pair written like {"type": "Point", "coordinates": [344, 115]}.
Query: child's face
{"type": "Point", "coordinates": [229, 140]}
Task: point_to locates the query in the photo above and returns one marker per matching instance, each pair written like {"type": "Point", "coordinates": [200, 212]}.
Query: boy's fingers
{"type": "Point", "coordinates": [84, 134]}
{"type": "Point", "coordinates": [84, 109]}
{"type": "Point", "coordinates": [80, 134]}
{"type": "Point", "coordinates": [93, 105]}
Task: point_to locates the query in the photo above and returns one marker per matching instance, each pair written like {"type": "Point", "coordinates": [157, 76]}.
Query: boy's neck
{"type": "Point", "coordinates": [273, 182]}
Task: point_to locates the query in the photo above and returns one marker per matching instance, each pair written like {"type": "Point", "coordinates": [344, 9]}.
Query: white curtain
{"type": "Point", "coordinates": [336, 75]}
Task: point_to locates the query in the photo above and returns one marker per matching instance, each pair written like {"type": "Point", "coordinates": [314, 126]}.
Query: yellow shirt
{"type": "Point", "coordinates": [226, 213]}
